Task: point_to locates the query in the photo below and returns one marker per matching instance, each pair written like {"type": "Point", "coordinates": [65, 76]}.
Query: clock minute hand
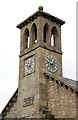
{"type": "Point", "coordinates": [47, 60]}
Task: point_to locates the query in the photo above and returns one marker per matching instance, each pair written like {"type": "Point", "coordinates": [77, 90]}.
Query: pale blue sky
{"type": "Point", "coordinates": [12, 13]}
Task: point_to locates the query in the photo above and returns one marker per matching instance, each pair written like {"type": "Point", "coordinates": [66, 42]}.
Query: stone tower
{"type": "Point", "coordinates": [40, 52]}
{"type": "Point", "coordinates": [42, 90]}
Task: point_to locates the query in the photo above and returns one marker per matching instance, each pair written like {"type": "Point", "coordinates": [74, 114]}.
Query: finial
{"type": "Point", "coordinates": [40, 8]}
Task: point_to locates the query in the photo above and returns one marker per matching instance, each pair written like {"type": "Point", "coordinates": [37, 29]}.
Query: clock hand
{"type": "Point", "coordinates": [52, 61]}
{"type": "Point", "coordinates": [49, 61]}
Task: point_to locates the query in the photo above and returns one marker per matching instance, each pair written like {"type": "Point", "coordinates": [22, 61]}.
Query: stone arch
{"type": "Point", "coordinates": [34, 33]}
{"type": "Point", "coordinates": [54, 36]}
{"type": "Point", "coordinates": [45, 32]}
{"type": "Point", "coordinates": [26, 39]}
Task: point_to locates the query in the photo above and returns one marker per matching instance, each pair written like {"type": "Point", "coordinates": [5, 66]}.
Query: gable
{"type": "Point", "coordinates": [11, 106]}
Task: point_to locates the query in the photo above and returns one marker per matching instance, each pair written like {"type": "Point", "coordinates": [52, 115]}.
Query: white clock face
{"type": "Point", "coordinates": [51, 63]}
{"type": "Point", "coordinates": [29, 65]}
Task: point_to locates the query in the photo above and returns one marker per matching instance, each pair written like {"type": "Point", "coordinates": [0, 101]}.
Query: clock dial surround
{"type": "Point", "coordinates": [29, 65]}
{"type": "Point", "coordinates": [51, 63]}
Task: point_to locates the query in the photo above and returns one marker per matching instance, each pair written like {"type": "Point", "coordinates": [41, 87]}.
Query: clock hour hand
{"type": "Point", "coordinates": [49, 61]}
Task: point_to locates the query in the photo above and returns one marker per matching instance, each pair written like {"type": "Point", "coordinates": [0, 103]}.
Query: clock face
{"type": "Point", "coordinates": [51, 63]}
{"type": "Point", "coordinates": [29, 65]}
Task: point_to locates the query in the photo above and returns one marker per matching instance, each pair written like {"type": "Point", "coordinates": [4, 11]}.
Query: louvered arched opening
{"type": "Point", "coordinates": [54, 36]}
{"type": "Point", "coordinates": [34, 33]}
{"type": "Point", "coordinates": [26, 39]}
{"type": "Point", "coordinates": [45, 30]}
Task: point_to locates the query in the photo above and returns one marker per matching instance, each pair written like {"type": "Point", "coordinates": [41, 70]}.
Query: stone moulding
{"type": "Point", "coordinates": [60, 81]}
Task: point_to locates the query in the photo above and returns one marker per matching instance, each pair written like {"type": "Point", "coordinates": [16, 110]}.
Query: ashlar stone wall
{"type": "Point", "coordinates": [62, 102]}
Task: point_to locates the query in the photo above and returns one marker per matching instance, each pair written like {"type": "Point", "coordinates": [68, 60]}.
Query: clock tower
{"type": "Point", "coordinates": [40, 53]}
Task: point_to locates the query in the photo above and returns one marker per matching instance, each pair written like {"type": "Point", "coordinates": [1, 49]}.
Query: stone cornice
{"type": "Point", "coordinates": [40, 13]}
{"type": "Point", "coordinates": [60, 81]}
{"type": "Point", "coordinates": [37, 45]}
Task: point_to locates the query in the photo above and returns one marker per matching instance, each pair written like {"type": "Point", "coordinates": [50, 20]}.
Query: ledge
{"type": "Point", "coordinates": [37, 45]}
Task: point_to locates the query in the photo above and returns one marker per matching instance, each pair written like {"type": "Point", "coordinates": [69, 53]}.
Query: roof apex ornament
{"type": "Point", "coordinates": [40, 8]}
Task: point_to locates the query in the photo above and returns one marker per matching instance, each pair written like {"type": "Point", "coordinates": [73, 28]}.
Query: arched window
{"type": "Point", "coordinates": [45, 33]}
{"type": "Point", "coordinates": [26, 39]}
{"type": "Point", "coordinates": [34, 33]}
{"type": "Point", "coordinates": [54, 36]}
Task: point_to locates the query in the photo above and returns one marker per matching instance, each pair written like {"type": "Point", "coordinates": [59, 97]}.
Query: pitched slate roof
{"type": "Point", "coordinates": [10, 104]}
{"type": "Point", "coordinates": [71, 82]}
{"type": "Point", "coordinates": [68, 83]}
{"type": "Point", "coordinates": [43, 14]}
